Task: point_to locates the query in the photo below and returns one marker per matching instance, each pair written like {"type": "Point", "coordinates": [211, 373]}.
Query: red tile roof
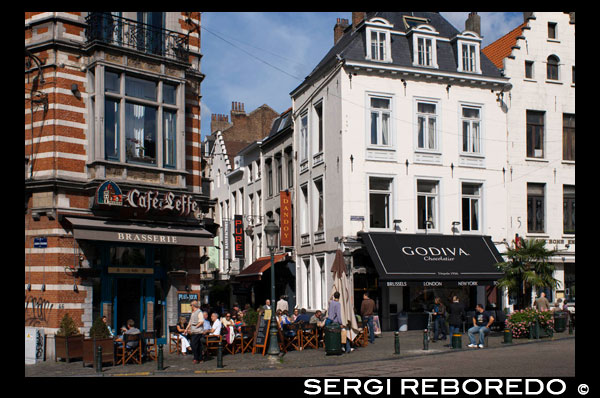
{"type": "Point", "coordinates": [501, 48]}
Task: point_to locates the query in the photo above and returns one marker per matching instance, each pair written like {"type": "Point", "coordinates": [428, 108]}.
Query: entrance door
{"type": "Point", "coordinates": [129, 301]}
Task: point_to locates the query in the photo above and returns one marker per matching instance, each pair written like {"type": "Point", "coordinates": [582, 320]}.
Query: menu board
{"type": "Point", "coordinates": [262, 334]}
{"type": "Point", "coordinates": [184, 307]}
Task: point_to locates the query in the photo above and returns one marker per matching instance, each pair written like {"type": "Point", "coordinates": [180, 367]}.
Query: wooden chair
{"type": "Point", "coordinates": [292, 337]}
{"type": "Point", "coordinates": [126, 354]}
{"type": "Point", "coordinates": [150, 347]}
{"type": "Point", "coordinates": [212, 342]}
{"type": "Point", "coordinates": [174, 340]}
{"type": "Point", "coordinates": [310, 336]}
{"type": "Point", "coordinates": [247, 338]}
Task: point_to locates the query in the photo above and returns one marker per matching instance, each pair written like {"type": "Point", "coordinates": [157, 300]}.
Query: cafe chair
{"type": "Point", "coordinates": [232, 347]}
{"type": "Point", "coordinates": [292, 337]}
{"type": "Point", "coordinates": [310, 336]}
{"type": "Point", "coordinates": [247, 335]}
{"type": "Point", "coordinates": [174, 340]}
{"type": "Point", "coordinates": [212, 342]}
{"type": "Point", "coordinates": [126, 354]}
{"type": "Point", "coordinates": [149, 338]}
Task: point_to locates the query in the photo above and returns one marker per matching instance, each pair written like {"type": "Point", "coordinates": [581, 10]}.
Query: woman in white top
{"type": "Point", "coordinates": [185, 343]}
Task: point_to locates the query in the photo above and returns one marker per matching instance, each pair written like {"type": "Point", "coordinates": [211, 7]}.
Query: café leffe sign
{"type": "Point", "coordinates": [110, 194]}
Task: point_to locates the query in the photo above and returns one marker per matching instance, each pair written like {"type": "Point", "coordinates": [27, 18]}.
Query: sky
{"type": "Point", "coordinates": [258, 58]}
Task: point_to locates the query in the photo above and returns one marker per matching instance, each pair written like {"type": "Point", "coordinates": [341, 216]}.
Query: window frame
{"type": "Point", "coordinates": [550, 67]}
{"type": "Point", "coordinates": [390, 200]}
{"type": "Point", "coordinates": [380, 111]}
{"type": "Point", "coordinates": [379, 26]}
{"type": "Point", "coordinates": [531, 69]}
{"type": "Point", "coordinates": [318, 204]}
{"type": "Point", "coordinates": [437, 142]}
{"type": "Point", "coordinates": [436, 205]}
{"type": "Point", "coordinates": [424, 32]}
{"type": "Point", "coordinates": [471, 197]}
{"type": "Point", "coordinates": [568, 136]}
{"type": "Point", "coordinates": [533, 196]}
{"type": "Point", "coordinates": [530, 135]}
{"type": "Point", "coordinates": [470, 139]}
{"type": "Point", "coordinates": [568, 209]}
{"type": "Point", "coordinates": [304, 147]}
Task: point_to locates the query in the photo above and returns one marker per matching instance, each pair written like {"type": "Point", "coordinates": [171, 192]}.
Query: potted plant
{"type": "Point", "coordinates": [250, 317]}
{"type": "Point", "coordinates": [68, 341]}
{"type": "Point", "coordinates": [99, 337]}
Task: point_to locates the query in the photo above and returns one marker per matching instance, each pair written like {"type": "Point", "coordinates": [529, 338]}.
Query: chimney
{"type": "Point", "coordinates": [338, 29]}
{"type": "Point", "coordinates": [237, 108]}
{"type": "Point", "coordinates": [357, 18]}
{"type": "Point", "coordinates": [218, 122]}
{"type": "Point", "coordinates": [473, 23]}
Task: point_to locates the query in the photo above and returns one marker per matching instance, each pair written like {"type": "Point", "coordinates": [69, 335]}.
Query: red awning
{"type": "Point", "coordinates": [257, 268]}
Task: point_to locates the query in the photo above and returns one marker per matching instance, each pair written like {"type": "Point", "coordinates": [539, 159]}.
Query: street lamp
{"type": "Point", "coordinates": [271, 230]}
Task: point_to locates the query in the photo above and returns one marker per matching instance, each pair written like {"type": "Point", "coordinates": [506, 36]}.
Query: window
{"type": "Point", "coordinates": [471, 210]}
{"type": "Point", "coordinates": [290, 171]}
{"type": "Point", "coordinates": [529, 69]}
{"type": "Point", "coordinates": [535, 207]}
{"type": "Point", "coordinates": [269, 178]}
{"type": "Point", "coordinates": [306, 262]}
{"type": "Point", "coordinates": [304, 210]}
{"type": "Point", "coordinates": [552, 68]}
{"type": "Point", "coordinates": [250, 173]}
{"type": "Point", "coordinates": [426, 126]}
{"type": "Point", "coordinates": [319, 127]}
{"type": "Point", "coordinates": [169, 133]}
{"type": "Point", "coordinates": [471, 134]}
{"type": "Point", "coordinates": [318, 205]}
{"type": "Point", "coordinates": [380, 195]}
{"type": "Point", "coordinates": [378, 45]}
{"type": "Point", "coordinates": [568, 136]}
{"type": "Point", "coordinates": [279, 174]}
{"type": "Point", "coordinates": [425, 51]}
{"type": "Point", "coordinates": [469, 57]}
{"type": "Point", "coordinates": [259, 203]}
{"type": "Point", "coordinates": [573, 74]}
{"type": "Point", "coordinates": [535, 134]}
{"type": "Point", "coordinates": [303, 137]}
{"type": "Point", "coordinates": [427, 194]}
{"type": "Point", "coordinates": [569, 209]}
{"type": "Point", "coordinates": [321, 288]}
{"type": "Point", "coordinates": [552, 30]}
{"type": "Point", "coordinates": [149, 132]}
{"type": "Point", "coordinates": [380, 121]}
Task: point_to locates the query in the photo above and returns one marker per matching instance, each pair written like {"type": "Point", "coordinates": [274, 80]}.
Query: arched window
{"type": "Point", "coordinates": [552, 68]}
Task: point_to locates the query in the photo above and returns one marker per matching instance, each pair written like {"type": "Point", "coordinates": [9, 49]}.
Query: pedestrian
{"type": "Point", "coordinates": [267, 305]}
{"type": "Point", "coordinates": [481, 324]}
{"type": "Point", "coordinates": [282, 304]}
{"type": "Point", "coordinates": [542, 303]}
{"type": "Point", "coordinates": [439, 320]}
{"type": "Point", "coordinates": [334, 315]}
{"type": "Point", "coordinates": [456, 314]}
{"type": "Point", "coordinates": [195, 329]}
{"type": "Point", "coordinates": [367, 310]}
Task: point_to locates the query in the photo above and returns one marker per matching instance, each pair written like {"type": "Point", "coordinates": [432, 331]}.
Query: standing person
{"type": "Point", "coordinates": [334, 315]}
{"type": "Point", "coordinates": [439, 320]}
{"type": "Point", "coordinates": [367, 309]}
{"type": "Point", "coordinates": [481, 324]}
{"type": "Point", "coordinates": [542, 303]}
{"type": "Point", "coordinates": [195, 329]}
{"type": "Point", "coordinates": [282, 304]}
{"type": "Point", "coordinates": [267, 305]}
{"type": "Point", "coordinates": [456, 314]}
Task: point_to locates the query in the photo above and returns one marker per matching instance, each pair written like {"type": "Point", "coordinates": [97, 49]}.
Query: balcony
{"type": "Point", "coordinates": [110, 29]}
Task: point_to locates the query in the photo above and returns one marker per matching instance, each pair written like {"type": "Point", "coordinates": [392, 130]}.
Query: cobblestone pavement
{"type": "Point", "coordinates": [293, 363]}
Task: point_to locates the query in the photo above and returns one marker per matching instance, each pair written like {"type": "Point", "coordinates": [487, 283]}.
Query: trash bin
{"type": "Point", "coordinates": [560, 321]}
{"type": "Point", "coordinates": [402, 322]}
{"type": "Point", "coordinates": [333, 339]}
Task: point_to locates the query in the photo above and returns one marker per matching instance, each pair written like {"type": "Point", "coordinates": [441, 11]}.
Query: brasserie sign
{"type": "Point", "coordinates": [145, 200]}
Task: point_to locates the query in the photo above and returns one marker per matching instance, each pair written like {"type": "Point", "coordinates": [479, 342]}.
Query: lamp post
{"type": "Point", "coordinates": [271, 230]}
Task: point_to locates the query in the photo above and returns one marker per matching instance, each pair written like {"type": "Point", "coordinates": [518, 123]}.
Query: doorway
{"type": "Point", "coordinates": [129, 303]}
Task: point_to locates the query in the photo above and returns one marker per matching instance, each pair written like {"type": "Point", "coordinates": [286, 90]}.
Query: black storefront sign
{"type": "Point", "coordinates": [433, 260]}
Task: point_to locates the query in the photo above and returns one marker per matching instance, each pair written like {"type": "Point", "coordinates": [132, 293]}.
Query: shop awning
{"type": "Point", "coordinates": [255, 270]}
{"type": "Point", "coordinates": [433, 260]}
{"type": "Point", "coordinates": [134, 232]}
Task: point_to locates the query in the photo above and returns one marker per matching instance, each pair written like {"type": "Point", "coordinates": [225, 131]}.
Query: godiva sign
{"type": "Point", "coordinates": [109, 193]}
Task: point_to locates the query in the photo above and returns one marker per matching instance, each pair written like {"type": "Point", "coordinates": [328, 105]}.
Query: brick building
{"type": "Point", "coordinates": [112, 168]}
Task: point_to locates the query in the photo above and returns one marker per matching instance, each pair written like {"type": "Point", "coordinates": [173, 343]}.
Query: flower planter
{"type": "Point", "coordinates": [68, 348]}
{"type": "Point", "coordinates": [91, 345]}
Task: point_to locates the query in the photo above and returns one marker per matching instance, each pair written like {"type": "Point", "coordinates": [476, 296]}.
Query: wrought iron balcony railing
{"type": "Point", "coordinates": [123, 32]}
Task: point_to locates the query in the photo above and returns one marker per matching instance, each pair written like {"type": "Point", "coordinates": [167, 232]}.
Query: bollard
{"type": "Point", "coordinates": [570, 327]}
{"type": "Point", "coordinates": [396, 343]}
{"type": "Point", "coordinates": [457, 341]}
{"type": "Point", "coordinates": [160, 358]}
{"type": "Point", "coordinates": [99, 359]}
{"type": "Point", "coordinates": [507, 336]}
{"type": "Point", "coordinates": [536, 330]}
{"type": "Point", "coordinates": [220, 355]}
{"type": "Point", "coordinates": [425, 340]}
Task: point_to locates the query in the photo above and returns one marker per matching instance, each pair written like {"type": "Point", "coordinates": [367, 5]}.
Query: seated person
{"type": "Point", "coordinates": [215, 328]}
{"type": "Point", "coordinates": [481, 324]}
{"type": "Point", "coordinates": [303, 317]}
{"type": "Point", "coordinates": [294, 315]}
{"type": "Point", "coordinates": [105, 320]}
{"type": "Point", "coordinates": [229, 326]}
{"type": "Point", "coordinates": [317, 319]}
{"type": "Point", "coordinates": [181, 327]}
{"type": "Point", "coordinates": [206, 320]}
{"type": "Point", "coordinates": [130, 329]}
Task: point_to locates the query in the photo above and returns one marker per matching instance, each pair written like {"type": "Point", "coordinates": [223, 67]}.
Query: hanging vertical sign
{"type": "Point", "coordinates": [238, 236]}
{"type": "Point", "coordinates": [286, 218]}
{"type": "Point", "coordinates": [226, 239]}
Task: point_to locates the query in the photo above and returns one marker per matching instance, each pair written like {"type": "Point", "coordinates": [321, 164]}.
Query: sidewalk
{"type": "Point", "coordinates": [411, 345]}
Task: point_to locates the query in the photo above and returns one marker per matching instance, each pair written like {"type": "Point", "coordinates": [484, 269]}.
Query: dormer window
{"type": "Point", "coordinates": [378, 40]}
{"type": "Point", "coordinates": [424, 46]}
{"type": "Point", "coordinates": [468, 48]}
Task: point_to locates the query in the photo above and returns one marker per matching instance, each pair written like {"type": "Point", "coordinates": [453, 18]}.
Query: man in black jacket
{"type": "Point", "coordinates": [456, 314]}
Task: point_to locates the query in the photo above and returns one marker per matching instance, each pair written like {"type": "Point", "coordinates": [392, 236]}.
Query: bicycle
{"type": "Point", "coordinates": [429, 325]}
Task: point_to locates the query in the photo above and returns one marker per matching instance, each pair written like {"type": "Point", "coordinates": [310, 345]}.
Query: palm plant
{"type": "Point", "coordinates": [527, 268]}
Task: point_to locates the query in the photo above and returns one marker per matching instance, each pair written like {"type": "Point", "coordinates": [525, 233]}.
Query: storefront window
{"type": "Point", "coordinates": [422, 298]}
{"type": "Point", "coordinates": [127, 256]}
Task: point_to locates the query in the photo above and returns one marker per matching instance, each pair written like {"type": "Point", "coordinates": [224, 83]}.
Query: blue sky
{"type": "Point", "coordinates": [260, 57]}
